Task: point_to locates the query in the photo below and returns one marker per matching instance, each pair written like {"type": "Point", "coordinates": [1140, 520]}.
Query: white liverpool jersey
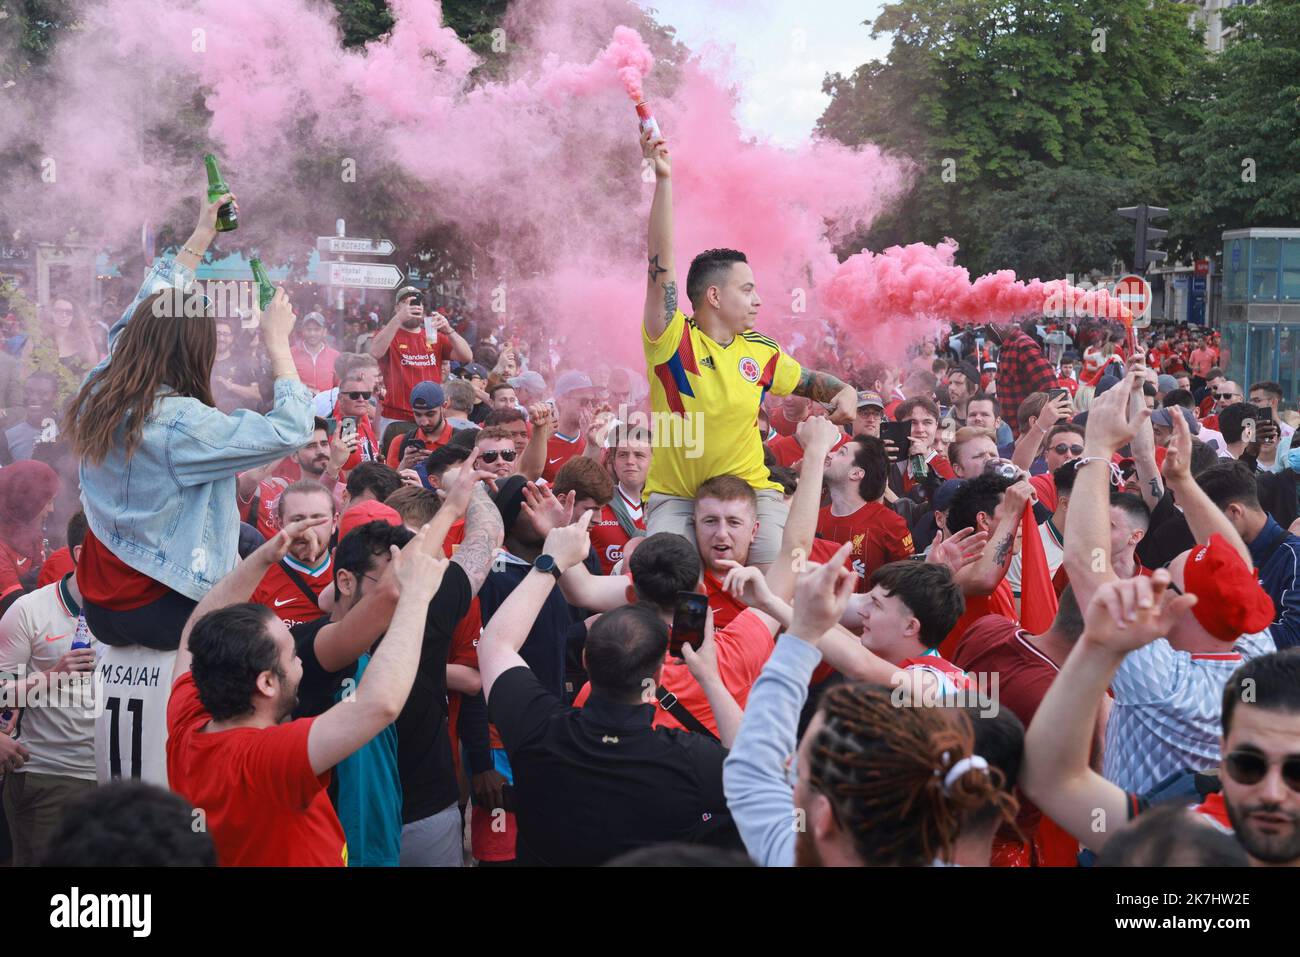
{"type": "Point", "coordinates": [132, 688]}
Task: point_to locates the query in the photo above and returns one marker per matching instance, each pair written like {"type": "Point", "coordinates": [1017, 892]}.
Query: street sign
{"type": "Point", "coordinates": [356, 247]}
{"type": "Point", "coordinates": [364, 275]}
{"type": "Point", "coordinates": [1202, 267]}
{"type": "Point", "coordinates": [1135, 293]}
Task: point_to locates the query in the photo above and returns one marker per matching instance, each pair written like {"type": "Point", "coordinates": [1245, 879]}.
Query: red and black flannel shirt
{"type": "Point", "coordinates": [1022, 370]}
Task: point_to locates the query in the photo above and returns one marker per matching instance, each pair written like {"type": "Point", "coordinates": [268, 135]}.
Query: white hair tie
{"type": "Point", "coordinates": [973, 763]}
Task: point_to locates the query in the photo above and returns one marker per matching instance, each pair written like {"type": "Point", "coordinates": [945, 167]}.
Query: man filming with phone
{"type": "Point", "coordinates": [353, 411]}
{"type": "Point", "coordinates": [591, 784]}
{"type": "Point", "coordinates": [411, 349]}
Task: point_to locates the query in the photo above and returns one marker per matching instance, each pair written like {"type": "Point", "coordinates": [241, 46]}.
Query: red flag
{"type": "Point", "coordinates": [1037, 596]}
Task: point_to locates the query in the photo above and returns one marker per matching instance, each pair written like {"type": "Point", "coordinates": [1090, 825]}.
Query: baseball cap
{"type": "Point", "coordinates": [944, 493]}
{"type": "Point", "coordinates": [427, 396]}
{"type": "Point", "coordinates": [1166, 383]}
{"type": "Point", "coordinates": [365, 512]}
{"type": "Point", "coordinates": [572, 381]}
{"type": "Point", "coordinates": [406, 291]}
{"type": "Point", "coordinates": [866, 399]}
{"type": "Point", "coordinates": [1230, 602]}
{"type": "Point", "coordinates": [530, 380]}
{"type": "Point", "coordinates": [473, 369]}
{"type": "Point", "coordinates": [314, 317]}
{"type": "Point", "coordinates": [1105, 383]}
{"type": "Point", "coordinates": [1165, 418]}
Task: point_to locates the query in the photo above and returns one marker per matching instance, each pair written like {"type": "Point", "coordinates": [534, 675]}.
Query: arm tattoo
{"type": "Point", "coordinates": [1156, 491]}
{"type": "Point", "coordinates": [483, 532]}
{"type": "Point", "coordinates": [1002, 550]}
{"type": "Point", "coordinates": [656, 270]}
{"type": "Point", "coordinates": [670, 299]}
{"type": "Point", "coordinates": [818, 386]}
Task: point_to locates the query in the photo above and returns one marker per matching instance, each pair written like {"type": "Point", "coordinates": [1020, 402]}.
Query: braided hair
{"type": "Point", "coordinates": [884, 768]}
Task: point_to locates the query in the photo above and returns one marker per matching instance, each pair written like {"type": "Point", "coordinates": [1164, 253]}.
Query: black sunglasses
{"type": "Point", "coordinates": [1062, 448]}
{"type": "Point", "coordinates": [1248, 767]}
{"type": "Point", "coordinates": [507, 455]}
{"type": "Point", "coordinates": [356, 396]}
{"type": "Point", "coordinates": [1225, 395]}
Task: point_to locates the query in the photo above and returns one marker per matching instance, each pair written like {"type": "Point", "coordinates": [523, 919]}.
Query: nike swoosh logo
{"type": "Point", "coordinates": [23, 561]}
{"type": "Point", "coordinates": [553, 461]}
{"type": "Point", "coordinates": [287, 601]}
{"type": "Point", "coordinates": [56, 637]}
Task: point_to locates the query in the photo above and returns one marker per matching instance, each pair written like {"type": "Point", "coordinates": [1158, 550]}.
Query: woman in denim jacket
{"type": "Point", "coordinates": [158, 460]}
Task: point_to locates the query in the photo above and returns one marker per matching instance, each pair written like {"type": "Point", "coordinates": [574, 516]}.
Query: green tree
{"type": "Point", "coordinates": [1239, 165]}
{"type": "Point", "coordinates": [984, 94]}
{"type": "Point", "coordinates": [1054, 220]}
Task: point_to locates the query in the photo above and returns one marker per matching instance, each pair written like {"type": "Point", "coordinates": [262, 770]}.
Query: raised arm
{"type": "Point", "coordinates": [384, 337]}
{"type": "Point", "coordinates": [817, 436]}
{"type": "Point", "coordinates": [1143, 448]}
{"type": "Point", "coordinates": [175, 273]}
{"type": "Point", "coordinates": [754, 775]}
{"type": "Point", "coordinates": [460, 350]}
{"type": "Point", "coordinates": [1112, 421]}
{"type": "Point", "coordinates": [387, 682]}
{"type": "Point", "coordinates": [505, 634]}
{"type": "Point", "coordinates": [533, 462]}
{"type": "Point", "coordinates": [982, 575]}
{"type": "Point", "coordinates": [1203, 517]}
{"type": "Point", "coordinates": [661, 275]}
{"type": "Point", "coordinates": [239, 585]}
{"type": "Point", "coordinates": [1122, 616]}
{"type": "Point", "coordinates": [342, 642]}
{"type": "Point", "coordinates": [483, 529]}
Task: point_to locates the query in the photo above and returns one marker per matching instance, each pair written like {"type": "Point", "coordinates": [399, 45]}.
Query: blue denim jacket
{"type": "Point", "coordinates": [169, 511]}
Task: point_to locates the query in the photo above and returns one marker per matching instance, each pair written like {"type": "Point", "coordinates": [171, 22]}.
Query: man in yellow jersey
{"type": "Point", "coordinates": [713, 368]}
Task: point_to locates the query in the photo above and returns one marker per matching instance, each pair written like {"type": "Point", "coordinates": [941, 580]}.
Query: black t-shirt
{"type": "Point", "coordinates": [424, 759]}
{"type": "Point", "coordinates": [1167, 537]}
{"type": "Point", "coordinates": [239, 371]}
{"type": "Point", "coordinates": [595, 782]}
{"type": "Point", "coordinates": [318, 688]}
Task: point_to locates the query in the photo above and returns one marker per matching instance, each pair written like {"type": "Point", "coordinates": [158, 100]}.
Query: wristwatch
{"type": "Point", "coordinates": [546, 563]}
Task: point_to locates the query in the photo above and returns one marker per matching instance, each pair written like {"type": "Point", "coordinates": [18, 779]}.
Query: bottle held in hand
{"type": "Point", "coordinates": [227, 218]}
{"type": "Point", "coordinates": [265, 288]}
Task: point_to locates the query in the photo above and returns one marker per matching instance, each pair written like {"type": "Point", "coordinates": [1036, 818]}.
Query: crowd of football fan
{"type": "Point", "coordinates": [398, 596]}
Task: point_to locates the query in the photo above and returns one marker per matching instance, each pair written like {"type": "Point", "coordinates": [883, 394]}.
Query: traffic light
{"type": "Point", "coordinates": [1146, 233]}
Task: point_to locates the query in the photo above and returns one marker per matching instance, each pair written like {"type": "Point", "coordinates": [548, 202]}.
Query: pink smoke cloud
{"type": "Point", "coordinates": [540, 171]}
{"type": "Point", "coordinates": [907, 293]}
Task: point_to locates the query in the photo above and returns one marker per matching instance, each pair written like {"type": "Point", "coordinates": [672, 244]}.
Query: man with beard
{"type": "Point", "coordinates": [234, 685]}
{"type": "Point", "coordinates": [432, 430]}
{"type": "Point", "coordinates": [292, 586]}
{"type": "Point", "coordinates": [408, 357]}
{"type": "Point", "coordinates": [1259, 767]}
{"type": "Point", "coordinates": [319, 461]}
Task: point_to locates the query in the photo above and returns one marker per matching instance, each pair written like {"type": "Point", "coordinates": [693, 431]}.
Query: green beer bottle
{"type": "Point", "coordinates": [227, 218]}
{"type": "Point", "coordinates": [265, 288]}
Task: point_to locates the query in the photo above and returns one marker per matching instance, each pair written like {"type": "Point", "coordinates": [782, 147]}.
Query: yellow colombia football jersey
{"type": "Point", "coordinates": [705, 398]}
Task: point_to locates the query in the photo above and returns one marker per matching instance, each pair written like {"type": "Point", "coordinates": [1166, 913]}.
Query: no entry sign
{"type": "Point", "coordinates": [1135, 293]}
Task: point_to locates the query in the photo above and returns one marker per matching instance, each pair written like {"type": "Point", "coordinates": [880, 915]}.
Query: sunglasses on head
{"type": "Point", "coordinates": [357, 396]}
{"type": "Point", "coordinates": [1249, 767]}
{"type": "Point", "coordinates": [507, 455]}
{"type": "Point", "coordinates": [1062, 448]}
